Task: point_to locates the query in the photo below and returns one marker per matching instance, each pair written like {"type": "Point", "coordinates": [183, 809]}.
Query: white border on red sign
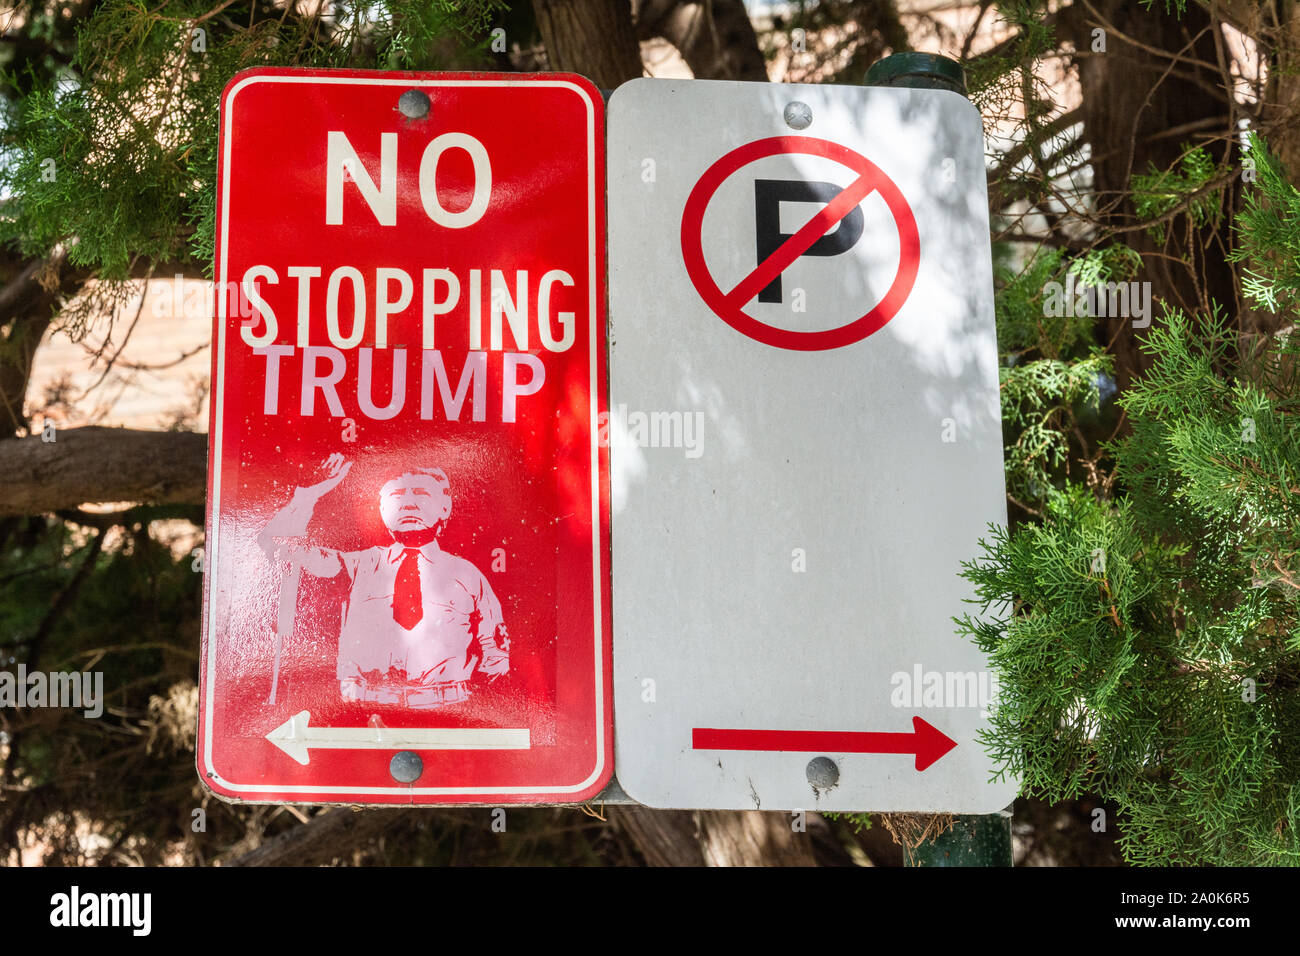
{"type": "Point", "coordinates": [218, 397]}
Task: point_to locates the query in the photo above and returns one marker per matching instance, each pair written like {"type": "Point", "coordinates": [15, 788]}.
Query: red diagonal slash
{"type": "Point", "coordinates": [798, 244]}
{"type": "Point", "coordinates": [730, 306]}
{"type": "Point", "coordinates": [927, 742]}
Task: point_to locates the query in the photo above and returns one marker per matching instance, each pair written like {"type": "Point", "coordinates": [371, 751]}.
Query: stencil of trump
{"type": "Point", "coordinates": [419, 623]}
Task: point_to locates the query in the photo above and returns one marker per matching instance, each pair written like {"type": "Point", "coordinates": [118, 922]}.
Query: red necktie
{"type": "Point", "coordinates": [407, 610]}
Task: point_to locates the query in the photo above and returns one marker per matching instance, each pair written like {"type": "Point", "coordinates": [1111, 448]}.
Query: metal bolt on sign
{"type": "Point", "coordinates": [823, 773]}
{"type": "Point", "coordinates": [413, 104]}
{"type": "Point", "coordinates": [406, 766]}
{"type": "Point", "coordinates": [798, 115]}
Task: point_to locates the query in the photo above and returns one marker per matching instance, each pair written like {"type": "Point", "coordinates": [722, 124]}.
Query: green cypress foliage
{"type": "Point", "coordinates": [119, 149]}
{"type": "Point", "coordinates": [1149, 643]}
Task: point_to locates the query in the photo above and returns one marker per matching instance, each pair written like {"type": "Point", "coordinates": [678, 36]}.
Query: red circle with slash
{"type": "Point", "coordinates": [729, 306]}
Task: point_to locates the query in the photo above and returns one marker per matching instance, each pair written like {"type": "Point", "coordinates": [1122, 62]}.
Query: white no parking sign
{"type": "Point", "coordinates": [805, 272]}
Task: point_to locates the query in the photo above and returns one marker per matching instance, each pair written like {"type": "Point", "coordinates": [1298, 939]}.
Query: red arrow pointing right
{"type": "Point", "coordinates": [926, 742]}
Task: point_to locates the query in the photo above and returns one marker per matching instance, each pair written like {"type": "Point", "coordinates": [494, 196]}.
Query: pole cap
{"type": "Point", "coordinates": [928, 71]}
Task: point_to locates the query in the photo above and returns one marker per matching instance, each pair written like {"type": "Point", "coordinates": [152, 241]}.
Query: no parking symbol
{"type": "Point", "coordinates": [835, 229]}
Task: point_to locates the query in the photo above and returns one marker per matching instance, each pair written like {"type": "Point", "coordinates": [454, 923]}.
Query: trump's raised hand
{"type": "Point", "coordinates": [336, 468]}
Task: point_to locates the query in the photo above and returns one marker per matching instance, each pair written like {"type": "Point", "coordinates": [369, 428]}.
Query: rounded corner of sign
{"type": "Point", "coordinates": [216, 786]}
{"type": "Point", "coordinates": [638, 82]}
{"type": "Point", "coordinates": [632, 787]}
{"type": "Point", "coordinates": [963, 105]}
{"type": "Point", "coordinates": [1007, 792]}
{"type": "Point", "coordinates": [598, 778]}
{"type": "Point", "coordinates": [999, 798]}
{"type": "Point", "coordinates": [240, 80]}
{"type": "Point", "coordinates": [583, 86]}
{"type": "Point", "coordinates": [601, 780]}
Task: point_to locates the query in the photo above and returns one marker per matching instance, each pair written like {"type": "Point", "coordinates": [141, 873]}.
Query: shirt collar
{"type": "Point", "coordinates": [428, 551]}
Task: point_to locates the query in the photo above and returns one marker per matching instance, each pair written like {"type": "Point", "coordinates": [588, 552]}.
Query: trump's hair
{"type": "Point", "coordinates": [437, 474]}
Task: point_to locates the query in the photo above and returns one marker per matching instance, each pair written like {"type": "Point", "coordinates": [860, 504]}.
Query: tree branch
{"type": "Point", "coordinates": [96, 464]}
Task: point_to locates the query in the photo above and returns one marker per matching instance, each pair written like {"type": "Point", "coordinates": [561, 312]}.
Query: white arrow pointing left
{"type": "Point", "coordinates": [296, 737]}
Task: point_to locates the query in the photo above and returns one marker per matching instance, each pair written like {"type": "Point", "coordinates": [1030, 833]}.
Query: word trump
{"type": "Point", "coordinates": [322, 368]}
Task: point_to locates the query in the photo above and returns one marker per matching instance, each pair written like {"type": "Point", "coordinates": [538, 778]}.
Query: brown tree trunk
{"type": "Point", "coordinates": [1276, 28]}
{"type": "Point", "coordinates": [591, 37]}
{"type": "Point", "coordinates": [1284, 106]}
{"type": "Point", "coordinates": [714, 838]}
{"type": "Point", "coordinates": [1130, 105]}
{"type": "Point", "coordinates": [716, 39]}
{"type": "Point", "coordinates": [324, 839]}
{"type": "Point", "coordinates": [27, 300]}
